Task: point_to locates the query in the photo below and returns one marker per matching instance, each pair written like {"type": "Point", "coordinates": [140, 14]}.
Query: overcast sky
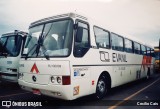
{"type": "Point", "coordinates": [138, 18]}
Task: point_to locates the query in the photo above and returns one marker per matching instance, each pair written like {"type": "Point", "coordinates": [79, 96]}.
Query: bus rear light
{"type": "Point", "coordinates": [66, 80]}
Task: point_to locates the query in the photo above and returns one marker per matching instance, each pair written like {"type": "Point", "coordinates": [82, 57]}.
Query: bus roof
{"type": "Point", "coordinates": [96, 23]}
{"type": "Point", "coordinates": [71, 15]}
{"type": "Point", "coordinates": [22, 33]}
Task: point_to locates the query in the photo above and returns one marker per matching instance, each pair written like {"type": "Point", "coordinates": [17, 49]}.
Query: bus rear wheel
{"type": "Point", "coordinates": [148, 74]}
{"type": "Point", "coordinates": [101, 88]}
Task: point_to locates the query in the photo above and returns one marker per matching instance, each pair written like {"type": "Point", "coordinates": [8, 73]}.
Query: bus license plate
{"type": "Point", "coordinates": [36, 91]}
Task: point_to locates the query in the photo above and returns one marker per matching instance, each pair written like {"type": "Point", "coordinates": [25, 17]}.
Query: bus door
{"type": "Point", "coordinates": [81, 72]}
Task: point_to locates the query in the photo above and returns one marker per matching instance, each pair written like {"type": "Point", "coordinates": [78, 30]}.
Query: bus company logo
{"type": "Point", "coordinates": [104, 56]}
{"type": "Point", "coordinates": [34, 68]}
{"type": "Point", "coordinates": [6, 103]}
{"type": "Point", "coordinates": [34, 78]}
{"type": "Point", "coordinates": [119, 57]}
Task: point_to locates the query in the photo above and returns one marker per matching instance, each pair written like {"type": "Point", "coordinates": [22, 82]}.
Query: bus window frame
{"type": "Point", "coordinates": [132, 46]}
{"type": "Point", "coordinates": [152, 54]}
{"type": "Point", "coordinates": [51, 21]}
{"type": "Point", "coordinates": [109, 34]}
{"type": "Point", "coordinates": [149, 51]}
{"type": "Point", "coordinates": [122, 40]}
{"type": "Point", "coordinates": [20, 49]}
{"type": "Point", "coordinates": [75, 35]}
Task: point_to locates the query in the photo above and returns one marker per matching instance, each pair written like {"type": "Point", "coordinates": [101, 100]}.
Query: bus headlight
{"type": "Point", "coordinates": [20, 75]}
{"type": "Point", "coordinates": [52, 79]}
{"type": "Point", "coordinates": [59, 80]}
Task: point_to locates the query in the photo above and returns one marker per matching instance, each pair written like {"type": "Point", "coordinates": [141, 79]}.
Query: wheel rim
{"type": "Point", "coordinates": [101, 86]}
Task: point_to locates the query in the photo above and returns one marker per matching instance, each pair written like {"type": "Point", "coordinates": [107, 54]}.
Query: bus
{"type": "Point", "coordinates": [10, 53]}
{"type": "Point", "coordinates": [157, 59]}
{"type": "Point", "coordinates": [68, 56]}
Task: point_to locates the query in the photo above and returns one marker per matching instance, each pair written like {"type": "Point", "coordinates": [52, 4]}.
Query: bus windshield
{"type": "Point", "coordinates": [12, 44]}
{"type": "Point", "coordinates": [51, 39]}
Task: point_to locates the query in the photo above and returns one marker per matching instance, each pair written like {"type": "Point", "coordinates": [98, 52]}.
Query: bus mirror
{"type": "Point", "coordinates": [79, 34]}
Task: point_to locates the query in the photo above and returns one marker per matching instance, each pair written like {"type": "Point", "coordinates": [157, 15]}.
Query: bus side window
{"type": "Point", "coordinates": [128, 46]}
{"type": "Point", "coordinates": [102, 37]}
{"type": "Point", "coordinates": [137, 48]}
{"type": "Point", "coordinates": [143, 50]}
{"type": "Point", "coordinates": [82, 44]}
{"type": "Point", "coordinates": [117, 42]}
{"type": "Point", "coordinates": [148, 51]}
{"type": "Point", "coordinates": [152, 53]}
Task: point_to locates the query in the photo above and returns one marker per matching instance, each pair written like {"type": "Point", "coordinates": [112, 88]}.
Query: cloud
{"type": "Point", "coordinates": [137, 18]}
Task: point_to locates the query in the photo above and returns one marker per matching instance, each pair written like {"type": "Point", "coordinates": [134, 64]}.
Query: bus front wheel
{"type": "Point", "coordinates": [101, 88]}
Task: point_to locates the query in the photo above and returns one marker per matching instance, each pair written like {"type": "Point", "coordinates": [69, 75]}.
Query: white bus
{"type": "Point", "coordinates": [69, 56]}
{"type": "Point", "coordinates": [10, 53]}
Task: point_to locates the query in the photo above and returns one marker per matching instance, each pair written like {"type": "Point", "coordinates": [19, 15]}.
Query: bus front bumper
{"type": "Point", "coordinates": [9, 76]}
{"type": "Point", "coordinates": [58, 91]}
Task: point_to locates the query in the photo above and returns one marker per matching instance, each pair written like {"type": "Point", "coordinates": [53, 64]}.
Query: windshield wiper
{"type": "Point", "coordinates": [37, 50]}
{"type": "Point", "coordinates": [40, 45]}
{"type": "Point", "coordinates": [44, 52]}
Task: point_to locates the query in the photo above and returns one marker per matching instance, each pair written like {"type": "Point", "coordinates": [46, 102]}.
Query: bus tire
{"type": "Point", "coordinates": [148, 74]}
{"type": "Point", "coordinates": [101, 88]}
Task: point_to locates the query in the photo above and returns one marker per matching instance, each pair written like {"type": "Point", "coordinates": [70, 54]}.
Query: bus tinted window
{"type": "Point", "coordinates": [128, 46]}
{"type": "Point", "coordinates": [102, 37]}
{"type": "Point", "coordinates": [82, 43]}
{"type": "Point", "coordinates": [143, 50]}
{"type": "Point", "coordinates": [148, 51]}
{"type": "Point", "coordinates": [117, 42]}
{"type": "Point", "coordinates": [152, 53]}
{"type": "Point", "coordinates": [136, 48]}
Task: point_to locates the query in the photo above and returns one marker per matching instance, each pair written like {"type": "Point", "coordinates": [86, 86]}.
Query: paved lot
{"type": "Point", "coordinates": [123, 97]}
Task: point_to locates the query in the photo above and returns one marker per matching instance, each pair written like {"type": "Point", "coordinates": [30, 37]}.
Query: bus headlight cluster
{"type": "Point", "coordinates": [59, 80]}
{"type": "Point", "coordinates": [56, 79]}
{"type": "Point", "coordinates": [63, 80]}
{"type": "Point", "coordinates": [52, 79]}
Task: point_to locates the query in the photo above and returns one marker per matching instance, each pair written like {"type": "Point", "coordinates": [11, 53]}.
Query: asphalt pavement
{"type": "Point", "coordinates": [141, 94]}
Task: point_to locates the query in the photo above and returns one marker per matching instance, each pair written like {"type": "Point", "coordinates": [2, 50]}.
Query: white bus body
{"type": "Point", "coordinates": [73, 59]}
{"type": "Point", "coordinates": [10, 55]}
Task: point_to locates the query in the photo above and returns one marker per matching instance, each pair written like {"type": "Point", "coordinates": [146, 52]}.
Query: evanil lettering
{"type": "Point", "coordinates": [119, 57]}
